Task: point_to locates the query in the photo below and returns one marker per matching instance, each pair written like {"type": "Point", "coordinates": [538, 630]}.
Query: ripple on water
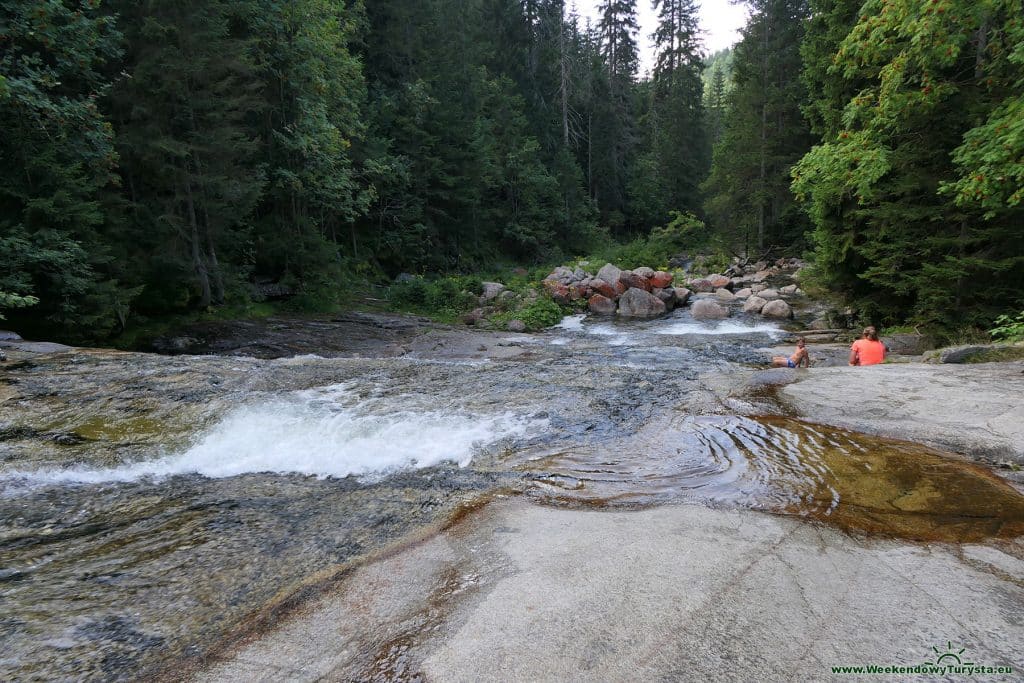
{"type": "Point", "coordinates": [851, 480]}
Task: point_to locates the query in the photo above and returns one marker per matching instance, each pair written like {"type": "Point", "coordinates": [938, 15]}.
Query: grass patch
{"type": "Point", "coordinates": [1002, 354]}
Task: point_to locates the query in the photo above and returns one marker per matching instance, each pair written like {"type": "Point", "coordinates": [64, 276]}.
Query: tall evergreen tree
{"type": "Point", "coordinates": [750, 201]}
{"type": "Point", "coordinates": [614, 128]}
{"type": "Point", "coordinates": [679, 136]}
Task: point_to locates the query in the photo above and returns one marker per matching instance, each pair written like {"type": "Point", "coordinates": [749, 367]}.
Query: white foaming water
{"type": "Point", "coordinates": [697, 327]}
{"type": "Point", "coordinates": [315, 436]}
{"type": "Point", "coordinates": [572, 323]}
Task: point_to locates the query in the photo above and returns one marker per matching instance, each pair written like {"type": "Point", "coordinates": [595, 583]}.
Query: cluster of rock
{"type": "Point", "coordinates": [494, 297]}
{"type": "Point", "coordinates": [748, 285]}
{"type": "Point", "coordinates": [638, 293]}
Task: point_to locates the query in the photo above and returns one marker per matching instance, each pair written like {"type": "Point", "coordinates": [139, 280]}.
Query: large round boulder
{"type": "Point", "coordinates": [754, 304]}
{"type": "Point", "coordinates": [558, 291]}
{"type": "Point", "coordinates": [705, 309]}
{"type": "Point", "coordinates": [682, 295]}
{"type": "Point", "coordinates": [644, 271]}
{"type": "Point", "coordinates": [601, 305]}
{"type": "Point", "coordinates": [720, 282]}
{"type": "Point", "coordinates": [609, 274]}
{"type": "Point", "coordinates": [777, 308]}
{"type": "Point", "coordinates": [491, 291]}
{"type": "Point", "coordinates": [604, 288]}
{"type": "Point", "coordinates": [661, 279]}
{"type": "Point", "coordinates": [724, 294]}
{"type": "Point", "coordinates": [701, 285]}
{"type": "Point", "coordinates": [639, 303]}
{"type": "Point", "coordinates": [635, 280]}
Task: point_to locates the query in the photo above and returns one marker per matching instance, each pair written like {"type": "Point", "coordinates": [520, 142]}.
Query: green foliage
{"type": "Point", "coordinates": [444, 298]}
{"type": "Point", "coordinates": [1009, 328]}
{"type": "Point", "coordinates": [536, 315]}
{"type": "Point", "coordinates": [911, 200]}
{"type": "Point", "coordinates": [684, 233]}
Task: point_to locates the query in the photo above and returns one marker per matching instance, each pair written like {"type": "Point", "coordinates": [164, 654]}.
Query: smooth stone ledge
{"type": "Point", "coordinates": [976, 409]}
{"type": "Point", "coordinates": [672, 593]}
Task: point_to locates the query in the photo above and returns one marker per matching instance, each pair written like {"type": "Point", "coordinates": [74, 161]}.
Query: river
{"type": "Point", "coordinates": [151, 506]}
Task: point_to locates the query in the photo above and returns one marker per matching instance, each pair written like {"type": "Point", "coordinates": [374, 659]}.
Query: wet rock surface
{"type": "Point", "coordinates": [520, 592]}
{"type": "Point", "coordinates": [152, 504]}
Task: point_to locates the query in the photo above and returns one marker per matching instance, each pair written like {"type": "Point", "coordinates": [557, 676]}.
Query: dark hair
{"type": "Point", "coordinates": [871, 333]}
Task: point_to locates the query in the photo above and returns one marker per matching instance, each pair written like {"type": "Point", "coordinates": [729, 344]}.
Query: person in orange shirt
{"type": "Point", "coordinates": [868, 350]}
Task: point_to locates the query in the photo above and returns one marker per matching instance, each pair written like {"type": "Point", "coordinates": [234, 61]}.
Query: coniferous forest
{"type": "Point", "coordinates": [162, 157]}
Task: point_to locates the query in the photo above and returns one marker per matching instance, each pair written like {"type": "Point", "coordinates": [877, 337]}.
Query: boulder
{"type": "Point", "coordinates": [705, 309]}
{"type": "Point", "coordinates": [609, 274]}
{"type": "Point", "coordinates": [491, 291]}
{"type": "Point", "coordinates": [579, 274]}
{"type": "Point", "coordinates": [754, 305]}
{"type": "Point", "coordinates": [760, 276]}
{"type": "Point", "coordinates": [635, 280]}
{"type": "Point", "coordinates": [769, 294]}
{"type": "Point", "coordinates": [701, 285]}
{"type": "Point", "coordinates": [682, 295]}
{"type": "Point", "coordinates": [720, 282]}
{"type": "Point", "coordinates": [666, 295]}
{"type": "Point", "coordinates": [644, 271]}
{"type": "Point", "coordinates": [601, 305]}
{"type": "Point", "coordinates": [404, 277]}
{"type": "Point", "coordinates": [7, 335]}
{"type": "Point", "coordinates": [789, 289]}
{"type": "Point", "coordinates": [507, 295]}
{"type": "Point", "coordinates": [639, 303]}
{"type": "Point", "coordinates": [620, 288]}
{"type": "Point", "coordinates": [516, 326]}
{"type": "Point", "coordinates": [558, 292]}
{"type": "Point", "coordinates": [604, 288]}
{"type": "Point", "coordinates": [661, 279]}
{"type": "Point", "coordinates": [962, 354]}
{"type": "Point", "coordinates": [777, 308]}
{"type": "Point", "coordinates": [755, 288]}
{"type": "Point", "coordinates": [474, 316]}
{"type": "Point", "coordinates": [559, 273]}
{"type": "Point", "coordinates": [744, 293]}
{"type": "Point", "coordinates": [909, 344]}
{"type": "Point", "coordinates": [724, 295]}
{"type": "Point", "coordinates": [577, 292]}
{"type": "Point", "coordinates": [820, 324]}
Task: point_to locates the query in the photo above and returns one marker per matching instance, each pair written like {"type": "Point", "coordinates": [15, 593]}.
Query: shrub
{"type": "Point", "coordinates": [1009, 328]}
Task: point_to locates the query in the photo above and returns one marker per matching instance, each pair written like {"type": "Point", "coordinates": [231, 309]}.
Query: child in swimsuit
{"type": "Point", "coordinates": [799, 357]}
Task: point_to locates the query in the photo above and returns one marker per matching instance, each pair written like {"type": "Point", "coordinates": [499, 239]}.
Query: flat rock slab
{"type": "Point", "coordinates": [520, 592]}
{"type": "Point", "coordinates": [976, 409]}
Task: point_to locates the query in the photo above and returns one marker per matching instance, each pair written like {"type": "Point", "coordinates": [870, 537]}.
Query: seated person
{"type": "Point", "coordinates": [868, 350]}
{"type": "Point", "coordinates": [800, 356]}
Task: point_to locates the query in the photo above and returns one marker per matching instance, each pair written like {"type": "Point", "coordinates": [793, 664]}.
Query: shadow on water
{"type": "Point", "coordinates": [854, 481]}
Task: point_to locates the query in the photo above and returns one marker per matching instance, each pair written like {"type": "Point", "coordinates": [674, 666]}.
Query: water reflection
{"type": "Point", "coordinates": [851, 480]}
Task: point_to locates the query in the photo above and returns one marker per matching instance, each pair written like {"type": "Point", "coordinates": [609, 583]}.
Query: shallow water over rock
{"type": "Point", "coordinates": [151, 504]}
{"type": "Point", "coordinates": [854, 481]}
